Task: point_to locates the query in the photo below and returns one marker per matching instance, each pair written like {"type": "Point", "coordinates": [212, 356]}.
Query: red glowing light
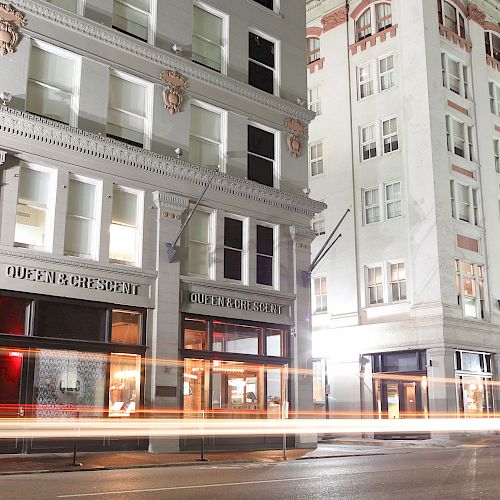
{"type": "Point", "coordinates": [14, 354]}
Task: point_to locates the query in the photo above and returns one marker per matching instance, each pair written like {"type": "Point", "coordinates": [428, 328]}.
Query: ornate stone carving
{"type": "Point", "coordinates": [294, 140]}
{"type": "Point", "coordinates": [33, 129]}
{"type": "Point", "coordinates": [170, 205]}
{"type": "Point", "coordinates": [302, 236]}
{"type": "Point", "coordinates": [476, 14]}
{"type": "Point", "coordinates": [173, 95]}
{"type": "Point", "coordinates": [295, 126]}
{"type": "Point", "coordinates": [10, 20]}
{"type": "Point", "coordinates": [334, 19]}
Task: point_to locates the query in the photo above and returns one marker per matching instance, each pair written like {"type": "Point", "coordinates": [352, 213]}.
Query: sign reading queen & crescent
{"type": "Point", "coordinates": [240, 304]}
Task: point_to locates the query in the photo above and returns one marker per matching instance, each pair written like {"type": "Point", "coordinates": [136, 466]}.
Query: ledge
{"type": "Point", "coordinates": [454, 38]}
{"type": "Point", "coordinates": [158, 56]}
{"type": "Point", "coordinates": [33, 128]}
{"type": "Point", "coordinates": [492, 62]}
{"type": "Point", "coordinates": [373, 39]}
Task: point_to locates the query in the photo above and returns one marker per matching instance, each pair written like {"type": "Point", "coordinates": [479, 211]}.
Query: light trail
{"type": "Point", "coordinates": [92, 428]}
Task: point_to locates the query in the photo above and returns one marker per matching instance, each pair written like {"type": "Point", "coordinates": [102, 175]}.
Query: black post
{"type": "Point", "coordinates": [202, 450]}
{"type": "Point", "coordinates": [75, 446]}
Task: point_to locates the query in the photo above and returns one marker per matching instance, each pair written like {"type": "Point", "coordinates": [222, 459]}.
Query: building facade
{"type": "Point", "coordinates": [406, 311]}
{"type": "Point", "coordinates": [116, 116]}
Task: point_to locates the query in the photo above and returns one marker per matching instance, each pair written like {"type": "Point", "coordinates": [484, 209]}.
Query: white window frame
{"type": "Point", "coordinates": [324, 296]}
{"type": "Point", "coordinates": [458, 15]}
{"type": "Point", "coordinates": [316, 160]}
{"type": "Point", "coordinates": [390, 282]}
{"type": "Point", "coordinates": [471, 204]}
{"type": "Point", "coordinates": [277, 52]}
{"type": "Point", "coordinates": [151, 19]}
{"type": "Point", "coordinates": [494, 91]}
{"type": "Point", "coordinates": [371, 208]}
{"type": "Point", "coordinates": [373, 26]}
{"type": "Point", "coordinates": [80, 7]}
{"type": "Point", "coordinates": [96, 230]}
{"type": "Point", "coordinates": [244, 251]}
{"type": "Point", "coordinates": [274, 257]}
{"type": "Point", "coordinates": [390, 135]}
{"type": "Point", "coordinates": [490, 35]}
{"type": "Point", "coordinates": [224, 32]}
{"type": "Point", "coordinates": [389, 74]}
{"type": "Point", "coordinates": [477, 278]}
{"type": "Point", "coordinates": [463, 75]}
{"type": "Point", "coordinates": [393, 201]}
{"type": "Point", "coordinates": [140, 225]}
{"type": "Point", "coordinates": [318, 224]}
{"type": "Point", "coordinates": [210, 246]}
{"type": "Point", "coordinates": [379, 286]}
{"type": "Point", "coordinates": [496, 154]}
{"type": "Point", "coordinates": [75, 95]}
{"type": "Point", "coordinates": [314, 104]}
{"type": "Point", "coordinates": [368, 81]}
{"type": "Point", "coordinates": [277, 151]}
{"type": "Point", "coordinates": [363, 143]}
{"type": "Point", "coordinates": [275, 9]}
{"type": "Point", "coordinates": [467, 140]}
{"type": "Point", "coordinates": [223, 131]}
{"type": "Point", "coordinates": [314, 54]}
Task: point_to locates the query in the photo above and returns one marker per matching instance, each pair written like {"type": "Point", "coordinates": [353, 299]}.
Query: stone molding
{"type": "Point", "coordinates": [158, 56]}
{"type": "Point", "coordinates": [30, 127]}
{"type": "Point", "coordinates": [3, 155]}
{"type": "Point", "coordinates": [373, 39]}
{"type": "Point", "coordinates": [475, 14]}
{"type": "Point", "coordinates": [302, 236]}
{"type": "Point", "coordinates": [170, 205]}
{"type": "Point", "coordinates": [334, 19]}
{"type": "Point", "coordinates": [39, 257]}
{"type": "Point", "coordinates": [173, 95]}
{"type": "Point", "coordinates": [457, 107]}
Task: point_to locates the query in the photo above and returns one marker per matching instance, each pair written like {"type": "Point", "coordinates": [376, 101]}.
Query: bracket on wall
{"type": "Point", "coordinates": [3, 155]}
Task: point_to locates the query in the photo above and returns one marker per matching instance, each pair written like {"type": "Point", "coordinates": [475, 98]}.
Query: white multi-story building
{"type": "Point", "coordinates": [406, 305]}
{"type": "Point", "coordinates": [116, 115]}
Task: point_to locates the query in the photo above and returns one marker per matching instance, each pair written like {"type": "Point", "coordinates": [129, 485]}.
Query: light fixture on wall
{"type": "Point", "coordinates": [5, 97]}
{"type": "Point", "coordinates": [178, 152]}
{"type": "Point", "coordinates": [177, 49]}
{"type": "Point", "coordinates": [300, 101]}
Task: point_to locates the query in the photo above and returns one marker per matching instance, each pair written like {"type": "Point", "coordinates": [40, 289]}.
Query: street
{"type": "Point", "coordinates": [453, 473]}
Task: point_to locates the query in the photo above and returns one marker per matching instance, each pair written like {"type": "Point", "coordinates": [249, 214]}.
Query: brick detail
{"type": "Point", "coordinates": [475, 14]}
{"type": "Point", "coordinates": [334, 19]}
{"type": "Point", "coordinates": [372, 40]}
{"type": "Point", "coordinates": [456, 39]}
{"type": "Point", "coordinates": [456, 106]}
{"type": "Point", "coordinates": [467, 243]}
{"type": "Point", "coordinates": [316, 65]}
{"type": "Point", "coordinates": [362, 7]}
{"type": "Point", "coordinates": [497, 128]}
{"type": "Point", "coordinates": [492, 62]}
{"type": "Point", "coordinates": [491, 27]}
{"type": "Point", "coordinates": [463, 171]}
{"type": "Point", "coordinates": [314, 31]}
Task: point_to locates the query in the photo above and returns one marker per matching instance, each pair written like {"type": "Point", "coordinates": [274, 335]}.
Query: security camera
{"type": "Point", "coordinates": [177, 48]}
{"type": "Point", "coordinates": [178, 152]}
{"type": "Point", "coordinates": [5, 97]}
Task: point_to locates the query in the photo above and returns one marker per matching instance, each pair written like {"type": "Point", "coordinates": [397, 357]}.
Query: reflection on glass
{"type": "Point", "coordinates": [124, 384]}
{"type": "Point", "coordinates": [195, 334]}
{"type": "Point", "coordinates": [274, 391]}
{"type": "Point", "coordinates": [476, 395]}
{"type": "Point", "coordinates": [194, 386]}
{"type": "Point", "coordinates": [126, 327]}
{"type": "Point", "coordinates": [275, 344]}
{"type": "Point", "coordinates": [392, 400]}
{"type": "Point", "coordinates": [229, 337]}
{"type": "Point", "coordinates": [13, 315]}
{"type": "Point", "coordinates": [410, 399]}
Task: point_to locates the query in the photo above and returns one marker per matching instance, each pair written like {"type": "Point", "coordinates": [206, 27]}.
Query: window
{"type": "Point", "coordinates": [132, 17]}
{"type": "Point", "coordinates": [14, 315]}
{"type": "Point", "coordinates": [266, 3]}
{"type": "Point", "coordinates": [496, 149]}
{"type": "Point", "coordinates": [384, 16]}
{"type": "Point", "coordinates": [53, 81]}
{"type": "Point", "coordinates": [464, 200]}
{"type": "Point", "coordinates": [76, 6]}
{"type": "Point", "coordinates": [233, 249]}
{"type": "Point", "coordinates": [494, 98]}
{"type": "Point", "coordinates": [371, 205]}
{"type": "Point", "coordinates": [126, 327]}
{"type": "Point", "coordinates": [35, 206]}
{"type": "Point", "coordinates": [199, 252]}
{"type": "Point", "coordinates": [368, 142]}
{"type": "Point", "coordinates": [208, 41]}
{"type": "Point", "coordinates": [470, 288]}
{"type": "Point", "coordinates": [390, 135]}
{"type": "Point", "coordinates": [318, 223]}
{"type": "Point", "coordinates": [393, 200]}
{"type": "Point", "coordinates": [124, 237]}
{"type": "Point", "coordinates": [386, 72]}
{"type": "Point", "coordinates": [318, 377]}
{"type": "Point", "coordinates": [375, 285]}
{"type": "Point", "coordinates": [397, 282]}
{"type": "Point", "coordinates": [320, 295]}
{"type": "Point", "coordinates": [265, 255]}
{"type": "Point", "coordinates": [492, 42]}
{"type": "Point", "coordinates": [365, 81]}
{"type": "Point", "coordinates": [376, 18]}
{"type": "Point", "coordinates": [261, 156]}
{"type": "Point", "coordinates": [364, 25]}
{"type": "Point", "coordinates": [81, 237]}
{"type": "Point", "coordinates": [205, 139]}
{"type": "Point", "coordinates": [451, 17]}
{"type": "Point", "coordinates": [261, 63]}
{"type": "Point", "coordinates": [124, 384]}
{"type": "Point", "coordinates": [313, 50]}
{"type": "Point", "coordinates": [460, 138]}
{"type": "Point", "coordinates": [314, 100]}
{"type": "Point", "coordinates": [455, 75]}
{"type": "Point", "coordinates": [316, 158]}
{"type": "Point", "coordinates": [128, 105]}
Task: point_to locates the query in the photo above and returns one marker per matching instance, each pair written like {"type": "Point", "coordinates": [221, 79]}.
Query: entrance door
{"type": "Point", "coordinates": [11, 367]}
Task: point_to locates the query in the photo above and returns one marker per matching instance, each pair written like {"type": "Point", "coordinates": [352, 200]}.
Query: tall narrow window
{"type": "Point", "coordinates": [81, 232]}
{"type": "Point", "coordinates": [316, 158]}
{"type": "Point", "coordinates": [384, 16]}
{"type": "Point", "coordinates": [314, 100]}
{"type": "Point", "coordinates": [494, 98]}
{"type": "Point", "coordinates": [390, 135]}
{"type": "Point", "coordinates": [265, 255]}
{"type": "Point", "coordinates": [496, 152]}
{"type": "Point", "coordinates": [261, 63]}
{"type": "Point", "coordinates": [460, 138]}
{"type": "Point", "coordinates": [451, 18]}
{"type": "Point", "coordinates": [393, 200]}
{"type": "Point", "coordinates": [465, 203]}
{"type": "Point", "coordinates": [455, 75]}
{"type": "Point", "coordinates": [132, 17]}
{"type": "Point", "coordinates": [127, 110]}
{"type": "Point", "coordinates": [386, 72]}
{"type": "Point", "coordinates": [313, 49]}
{"type": "Point", "coordinates": [319, 223]}
{"type": "Point", "coordinates": [365, 81]}
{"type": "Point", "coordinates": [34, 209]}
{"type": "Point", "coordinates": [52, 83]}
{"type": "Point", "coordinates": [124, 237]}
{"type": "Point", "coordinates": [208, 44]}
{"type": "Point", "coordinates": [364, 25]}
{"type": "Point", "coordinates": [371, 205]}
{"type": "Point", "coordinates": [368, 142]}
{"type": "Point", "coordinates": [398, 281]}
{"type": "Point", "coordinates": [375, 285]}
{"type": "Point", "coordinates": [205, 139]}
{"type": "Point", "coordinates": [470, 288]}
{"type": "Point", "coordinates": [320, 295]}
{"type": "Point", "coordinates": [492, 45]}
{"type": "Point", "coordinates": [233, 249]}
{"type": "Point", "coordinates": [199, 244]}
{"type": "Point", "coordinates": [261, 156]}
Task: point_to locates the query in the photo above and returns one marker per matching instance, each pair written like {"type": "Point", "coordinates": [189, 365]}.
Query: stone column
{"type": "Point", "coordinates": [164, 392]}
{"type": "Point", "coordinates": [301, 340]}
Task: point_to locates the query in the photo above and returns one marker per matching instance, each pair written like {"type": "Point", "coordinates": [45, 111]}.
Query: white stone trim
{"type": "Point", "coordinates": [30, 127]}
{"type": "Point", "coordinates": [158, 56]}
{"type": "Point", "coordinates": [3, 155]}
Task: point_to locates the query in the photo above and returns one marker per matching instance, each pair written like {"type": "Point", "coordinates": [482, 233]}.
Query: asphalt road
{"type": "Point", "coordinates": [468, 473]}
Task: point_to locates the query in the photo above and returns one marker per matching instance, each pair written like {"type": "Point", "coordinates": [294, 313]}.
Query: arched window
{"type": "Point", "coordinates": [492, 41]}
{"type": "Point", "coordinates": [313, 51]}
{"type": "Point", "coordinates": [376, 18]}
{"type": "Point", "coordinates": [451, 17]}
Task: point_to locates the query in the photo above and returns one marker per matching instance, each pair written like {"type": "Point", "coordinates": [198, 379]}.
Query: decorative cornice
{"type": "Point", "coordinates": [3, 155]}
{"type": "Point", "coordinates": [334, 19]}
{"type": "Point", "coordinates": [170, 205]}
{"type": "Point", "coordinates": [313, 32]}
{"type": "Point", "coordinates": [39, 257]}
{"type": "Point", "coordinates": [158, 56]}
{"type": "Point", "coordinates": [373, 39]}
{"type": "Point", "coordinates": [475, 14]}
{"type": "Point", "coordinates": [302, 235]}
{"type": "Point", "coordinates": [456, 39]}
{"type": "Point", "coordinates": [491, 27]}
{"type": "Point", "coordinates": [63, 137]}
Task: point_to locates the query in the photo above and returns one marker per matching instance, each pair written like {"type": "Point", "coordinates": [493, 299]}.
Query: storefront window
{"type": "Point", "coordinates": [275, 387]}
{"type": "Point", "coordinates": [124, 384]}
{"type": "Point", "coordinates": [476, 395]}
{"type": "Point", "coordinates": [126, 327]}
{"type": "Point", "coordinates": [14, 315]}
{"type": "Point", "coordinates": [195, 334]}
{"type": "Point", "coordinates": [229, 337]}
{"type": "Point", "coordinates": [275, 342]}
{"type": "Point", "coordinates": [318, 373]}
{"type": "Point", "coordinates": [194, 386]}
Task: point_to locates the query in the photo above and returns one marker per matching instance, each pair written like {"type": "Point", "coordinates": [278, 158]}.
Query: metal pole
{"type": "Point", "coordinates": [202, 451]}
{"type": "Point", "coordinates": [283, 409]}
{"type": "Point", "coordinates": [75, 446]}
